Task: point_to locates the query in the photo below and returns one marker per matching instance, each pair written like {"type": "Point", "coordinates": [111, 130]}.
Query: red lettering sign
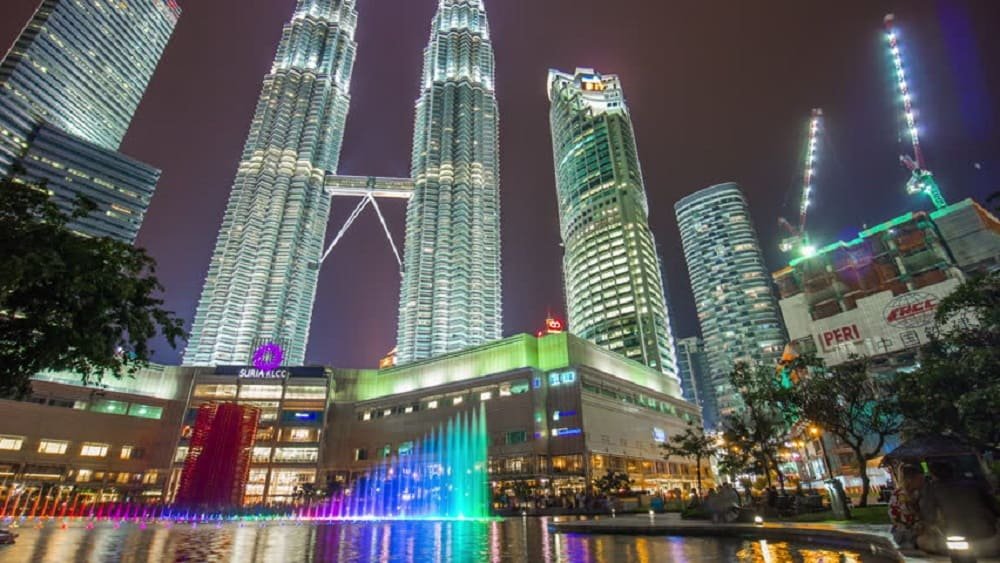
{"type": "Point", "coordinates": [849, 333]}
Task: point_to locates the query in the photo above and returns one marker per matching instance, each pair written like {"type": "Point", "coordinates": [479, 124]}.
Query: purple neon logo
{"type": "Point", "coordinates": [268, 357]}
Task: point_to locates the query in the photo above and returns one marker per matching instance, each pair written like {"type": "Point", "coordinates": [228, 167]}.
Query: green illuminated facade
{"type": "Point", "coordinates": [450, 296]}
{"type": "Point", "coordinates": [261, 283]}
{"type": "Point", "coordinates": [612, 275]}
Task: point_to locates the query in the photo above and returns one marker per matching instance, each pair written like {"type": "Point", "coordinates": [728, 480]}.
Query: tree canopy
{"type": "Point", "coordinates": [693, 443]}
{"type": "Point", "coordinates": [956, 389]}
{"type": "Point", "coordinates": [69, 302]}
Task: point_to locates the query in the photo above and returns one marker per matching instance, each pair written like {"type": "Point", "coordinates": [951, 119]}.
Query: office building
{"type": "Point", "coordinates": [261, 282]}
{"type": "Point", "coordinates": [68, 90]}
{"type": "Point", "coordinates": [450, 297]}
{"type": "Point", "coordinates": [692, 368]}
{"type": "Point", "coordinates": [611, 269]}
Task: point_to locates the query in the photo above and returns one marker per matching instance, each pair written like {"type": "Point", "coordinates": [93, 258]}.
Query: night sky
{"type": "Point", "coordinates": [719, 90]}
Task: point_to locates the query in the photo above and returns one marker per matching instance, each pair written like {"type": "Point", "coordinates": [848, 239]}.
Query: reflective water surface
{"type": "Point", "coordinates": [526, 539]}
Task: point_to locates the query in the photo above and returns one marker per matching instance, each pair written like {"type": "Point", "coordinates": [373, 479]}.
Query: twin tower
{"type": "Point", "coordinates": [261, 283]}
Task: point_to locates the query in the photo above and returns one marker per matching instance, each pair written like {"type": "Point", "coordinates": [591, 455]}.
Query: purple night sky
{"type": "Point", "coordinates": [718, 90]}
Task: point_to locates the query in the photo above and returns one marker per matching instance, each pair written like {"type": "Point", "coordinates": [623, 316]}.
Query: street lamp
{"type": "Point", "coordinates": [818, 434]}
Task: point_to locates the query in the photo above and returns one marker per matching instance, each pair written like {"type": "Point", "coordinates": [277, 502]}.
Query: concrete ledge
{"type": "Point", "coordinates": [862, 540]}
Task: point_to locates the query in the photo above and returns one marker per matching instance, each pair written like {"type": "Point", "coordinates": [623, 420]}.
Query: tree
{"type": "Point", "coordinates": [956, 389]}
{"type": "Point", "coordinates": [759, 428]}
{"type": "Point", "coordinates": [614, 482]}
{"type": "Point", "coordinates": [850, 403]}
{"type": "Point", "coordinates": [69, 302]}
{"type": "Point", "coordinates": [691, 444]}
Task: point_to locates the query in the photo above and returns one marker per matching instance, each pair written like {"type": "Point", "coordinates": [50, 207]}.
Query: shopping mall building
{"type": "Point", "coordinates": [560, 411]}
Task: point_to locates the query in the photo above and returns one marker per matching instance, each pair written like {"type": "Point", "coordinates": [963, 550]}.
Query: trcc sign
{"type": "Point", "coordinates": [911, 310]}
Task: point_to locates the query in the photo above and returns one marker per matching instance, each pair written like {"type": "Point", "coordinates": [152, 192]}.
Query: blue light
{"type": "Point", "coordinates": [537, 383]}
{"type": "Point", "coordinates": [566, 431]}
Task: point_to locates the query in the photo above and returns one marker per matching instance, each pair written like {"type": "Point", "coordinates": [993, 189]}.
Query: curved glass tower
{"type": "Point", "coordinates": [450, 297]}
{"type": "Point", "coordinates": [261, 283]}
{"type": "Point", "coordinates": [737, 310]}
{"type": "Point", "coordinates": [614, 288]}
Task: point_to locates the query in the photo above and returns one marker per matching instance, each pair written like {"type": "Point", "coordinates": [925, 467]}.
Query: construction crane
{"type": "Point", "coordinates": [921, 179]}
{"type": "Point", "coordinates": [798, 239]}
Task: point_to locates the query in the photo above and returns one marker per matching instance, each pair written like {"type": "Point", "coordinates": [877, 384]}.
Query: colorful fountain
{"type": "Point", "coordinates": [441, 476]}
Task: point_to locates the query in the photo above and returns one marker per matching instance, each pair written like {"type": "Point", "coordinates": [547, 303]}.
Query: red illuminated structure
{"type": "Point", "coordinates": [218, 464]}
{"type": "Point", "coordinates": [552, 326]}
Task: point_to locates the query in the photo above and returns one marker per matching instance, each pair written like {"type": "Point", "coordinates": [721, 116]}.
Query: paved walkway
{"type": "Point", "coordinates": [867, 538]}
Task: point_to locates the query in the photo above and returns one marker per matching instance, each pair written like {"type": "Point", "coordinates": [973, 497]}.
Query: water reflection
{"type": "Point", "coordinates": [518, 539]}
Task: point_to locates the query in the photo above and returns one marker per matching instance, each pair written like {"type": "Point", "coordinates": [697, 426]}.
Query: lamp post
{"type": "Point", "coordinates": [816, 433]}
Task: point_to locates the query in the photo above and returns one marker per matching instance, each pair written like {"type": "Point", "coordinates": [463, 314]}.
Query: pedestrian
{"type": "Point", "coordinates": [959, 506]}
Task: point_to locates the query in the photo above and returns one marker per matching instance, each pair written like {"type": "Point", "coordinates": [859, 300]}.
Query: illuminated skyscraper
{"type": "Point", "coordinates": [261, 283]}
{"type": "Point", "coordinates": [84, 66]}
{"type": "Point", "coordinates": [68, 90]}
{"type": "Point", "coordinates": [732, 288]}
{"type": "Point", "coordinates": [450, 297]}
{"type": "Point", "coordinates": [611, 270]}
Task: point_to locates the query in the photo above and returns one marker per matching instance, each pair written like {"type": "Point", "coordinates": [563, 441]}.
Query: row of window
{"type": "Point", "coordinates": [106, 406]}
{"type": "Point", "coordinates": [233, 391]}
{"type": "Point", "coordinates": [60, 447]}
{"type": "Point", "coordinates": [503, 390]}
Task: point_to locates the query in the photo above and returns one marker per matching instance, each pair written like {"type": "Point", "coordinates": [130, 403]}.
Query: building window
{"type": "Point", "coordinates": [485, 396]}
{"type": "Point", "coordinates": [296, 455]}
{"type": "Point", "coordinates": [92, 449]}
{"type": "Point", "coordinates": [126, 452]}
{"type": "Point", "coordinates": [145, 411]}
{"type": "Point", "coordinates": [11, 443]}
{"type": "Point", "coordinates": [215, 391]}
{"type": "Point", "coordinates": [260, 392]}
{"type": "Point", "coordinates": [360, 454]}
{"type": "Point", "coordinates": [54, 447]}
{"type": "Point", "coordinates": [109, 407]}
{"type": "Point", "coordinates": [432, 404]}
{"type": "Point", "coordinates": [517, 437]}
{"type": "Point", "coordinates": [306, 392]}
{"type": "Point", "coordinates": [300, 434]}
{"type": "Point", "coordinates": [367, 415]}
{"type": "Point", "coordinates": [181, 454]}
{"type": "Point", "coordinates": [84, 475]}
{"type": "Point", "coordinates": [150, 478]}
{"type": "Point", "coordinates": [261, 455]}
{"type": "Point", "coordinates": [456, 400]}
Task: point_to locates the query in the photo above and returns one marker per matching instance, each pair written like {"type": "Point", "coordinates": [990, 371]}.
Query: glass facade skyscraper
{"type": "Point", "coordinates": [261, 282]}
{"type": "Point", "coordinates": [692, 368]}
{"type": "Point", "coordinates": [68, 90]}
{"type": "Point", "coordinates": [450, 297]}
{"type": "Point", "coordinates": [84, 66]}
{"type": "Point", "coordinates": [613, 283]}
{"type": "Point", "coordinates": [738, 313]}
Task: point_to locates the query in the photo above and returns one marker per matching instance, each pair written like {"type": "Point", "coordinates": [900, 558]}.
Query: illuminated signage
{"type": "Point", "coordinates": [254, 373]}
{"type": "Point", "coordinates": [911, 310]}
{"type": "Point", "coordinates": [831, 338]}
{"type": "Point", "coordinates": [659, 435]}
{"type": "Point", "coordinates": [268, 357]}
{"type": "Point", "coordinates": [566, 431]}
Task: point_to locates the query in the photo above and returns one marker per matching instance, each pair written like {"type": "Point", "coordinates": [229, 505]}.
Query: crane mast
{"type": "Point", "coordinates": [799, 238]}
{"type": "Point", "coordinates": [921, 179]}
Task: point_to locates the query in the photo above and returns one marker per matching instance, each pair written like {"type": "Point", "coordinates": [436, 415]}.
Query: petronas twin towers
{"type": "Point", "coordinates": [261, 283]}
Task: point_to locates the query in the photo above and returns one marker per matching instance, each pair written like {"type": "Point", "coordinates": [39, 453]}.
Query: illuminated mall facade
{"type": "Point", "coordinates": [560, 411]}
